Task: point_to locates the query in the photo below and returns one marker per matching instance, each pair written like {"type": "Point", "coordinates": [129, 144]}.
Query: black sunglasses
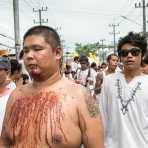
{"type": "Point", "coordinates": [134, 52]}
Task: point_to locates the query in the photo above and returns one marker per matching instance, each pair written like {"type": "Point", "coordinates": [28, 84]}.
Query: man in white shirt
{"type": "Point", "coordinates": [112, 60]}
{"type": "Point", "coordinates": [124, 98]}
{"type": "Point", "coordinates": [86, 75]}
{"type": "Point", "coordinates": [75, 65]}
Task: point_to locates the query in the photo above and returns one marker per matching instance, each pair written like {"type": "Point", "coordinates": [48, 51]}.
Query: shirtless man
{"type": "Point", "coordinates": [51, 112]}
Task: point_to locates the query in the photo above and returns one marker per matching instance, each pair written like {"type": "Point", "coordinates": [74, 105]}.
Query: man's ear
{"type": "Point", "coordinates": [59, 53]}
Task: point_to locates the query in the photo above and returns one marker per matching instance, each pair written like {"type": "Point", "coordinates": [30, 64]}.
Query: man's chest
{"type": "Point", "coordinates": [44, 117]}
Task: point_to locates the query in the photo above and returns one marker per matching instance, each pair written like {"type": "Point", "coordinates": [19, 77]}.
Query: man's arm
{"type": "Point", "coordinates": [90, 122]}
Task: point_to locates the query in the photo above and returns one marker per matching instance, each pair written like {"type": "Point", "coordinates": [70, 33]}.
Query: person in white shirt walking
{"type": "Point", "coordinates": [124, 98]}
{"type": "Point", "coordinates": [74, 66]}
{"type": "Point", "coordinates": [86, 75]}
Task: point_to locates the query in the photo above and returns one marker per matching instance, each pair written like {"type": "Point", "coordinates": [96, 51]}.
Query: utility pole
{"type": "Point", "coordinates": [114, 34]}
{"type": "Point", "coordinates": [143, 6]}
{"type": "Point", "coordinates": [102, 45]}
{"type": "Point", "coordinates": [16, 26]}
{"type": "Point", "coordinates": [40, 16]}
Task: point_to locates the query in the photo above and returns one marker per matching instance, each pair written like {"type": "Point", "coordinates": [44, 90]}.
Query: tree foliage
{"type": "Point", "coordinates": [86, 49]}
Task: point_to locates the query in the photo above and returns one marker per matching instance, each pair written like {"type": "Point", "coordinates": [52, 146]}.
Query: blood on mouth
{"type": "Point", "coordinates": [34, 70]}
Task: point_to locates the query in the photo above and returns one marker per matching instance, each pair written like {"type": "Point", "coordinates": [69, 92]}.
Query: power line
{"type": "Point", "coordinates": [124, 17]}
{"type": "Point", "coordinates": [6, 36]}
{"type": "Point", "coordinates": [31, 4]}
{"type": "Point", "coordinates": [87, 12]}
{"type": "Point", "coordinates": [128, 12]}
{"type": "Point", "coordinates": [34, 4]}
{"type": "Point", "coordinates": [2, 44]}
{"type": "Point", "coordinates": [28, 3]}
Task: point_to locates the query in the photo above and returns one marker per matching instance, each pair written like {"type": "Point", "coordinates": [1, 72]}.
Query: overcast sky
{"type": "Point", "coordinates": [83, 21]}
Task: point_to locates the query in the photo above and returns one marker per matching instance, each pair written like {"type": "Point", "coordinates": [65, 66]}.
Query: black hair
{"type": "Point", "coordinates": [15, 66]}
{"type": "Point", "coordinates": [93, 65]}
{"type": "Point", "coordinates": [68, 67]}
{"type": "Point", "coordinates": [135, 39]}
{"type": "Point", "coordinates": [25, 77]}
{"type": "Point", "coordinates": [145, 59]}
{"type": "Point", "coordinates": [103, 63]}
{"type": "Point", "coordinates": [50, 35]}
{"type": "Point", "coordinates": [21, 54]}
{"type": "Point", "coordinates": [110, 56]}
{"type": "Point", "coordinates": [76, 58]}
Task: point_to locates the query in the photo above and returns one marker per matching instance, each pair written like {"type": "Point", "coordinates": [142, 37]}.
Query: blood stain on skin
{"type": "Point", "coordinates": [35, 112]}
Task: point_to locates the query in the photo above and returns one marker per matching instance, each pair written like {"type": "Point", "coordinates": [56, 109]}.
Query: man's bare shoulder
{"type": "Point", "coordinates": [19, 91]}
{"type": "Point", "coordinates": [82, 96]}
{"type": "Point", "coordinates": [74, 89]}
{"type": "Point", "coordinates": [88, 115]}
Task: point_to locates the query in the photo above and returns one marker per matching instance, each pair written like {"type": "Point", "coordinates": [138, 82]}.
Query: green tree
{"type": "Point", "coordinates": [86, 49]}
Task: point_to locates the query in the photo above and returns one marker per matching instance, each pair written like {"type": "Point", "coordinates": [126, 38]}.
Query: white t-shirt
{"type": "Point", "coordinates": [124, 110]}
{"type": "Point", "coordinates": [75, 66]}
{"type": "Point", "coordinates": [11, 85]}
{"type": "Point", "coordinates": [82, 76]}
{"type": "Point", "coordinates": [3, 102]}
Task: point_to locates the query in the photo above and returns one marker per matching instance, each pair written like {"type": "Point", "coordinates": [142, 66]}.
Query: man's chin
{"type": "Point", "coordinates": [35, 75]}
{"type": "Point", "coordinates": [130, 68]}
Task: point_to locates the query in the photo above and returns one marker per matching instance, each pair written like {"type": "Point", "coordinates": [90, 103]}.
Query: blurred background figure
{"type": "Point", "coordinates": [119, 67]}
{"type": "Point", "coordinates": [144, 66]}
{"type": "Point", "coordinates": [15, 73]}
{"type": "Point", "coordinates": [3, 53]}
{"type": "Point", "coordinates": [25, 78]}
{"type": "Point", "coordinates": [103, 66]}
{"type": "Point", "coordinates": [67, 72]}
{"type": "Point", "coordinates": [94, 66]}
{"type": "Point", "coordinates": [86, 75]}
{"type": "Point", "coordinates": [75, 65]}
{"type": "Point", "coordinates": [4, 90]}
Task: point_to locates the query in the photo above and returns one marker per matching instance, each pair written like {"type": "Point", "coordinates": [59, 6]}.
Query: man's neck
{"type": "Point", "coordinates": [129, 75]}
{"type": "Point", "coordinates": [48, 82]}
{"type": "Point", "coordinates": [109, 71]}
{"type": "Point", "coordinates": [83, 69]}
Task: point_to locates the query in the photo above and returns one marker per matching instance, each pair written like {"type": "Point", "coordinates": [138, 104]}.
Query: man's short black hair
{"type": "Point", "coordinates": [15, 66]}
{"type": "Point", "coordinates": [50, 35]}
{"type": "Point", "coordinates": [135, 39]}
{"type": "Point", "coordinates": [110, 56]}
{"type": "Point", "coordinates": [93, 65]}
{"type": "Point", "coordinates": [76, 58]}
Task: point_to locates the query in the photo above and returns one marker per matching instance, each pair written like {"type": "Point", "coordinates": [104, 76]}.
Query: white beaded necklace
{"type": "Point", "coordinates": [125, 102]}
